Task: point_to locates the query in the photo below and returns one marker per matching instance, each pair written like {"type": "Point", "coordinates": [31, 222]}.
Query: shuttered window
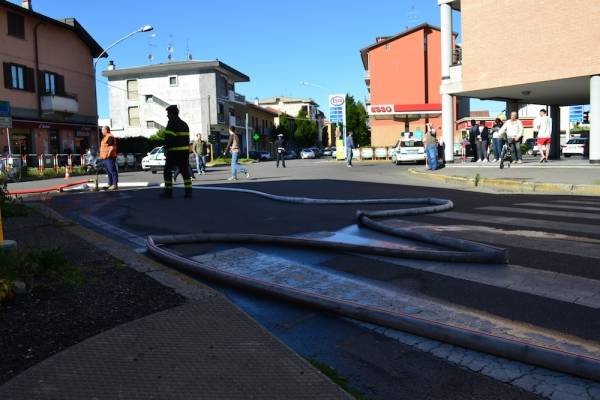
{"type": "Point", "coordinates": [132, 90]}
{"type": "Point", "coordinates": [134, 116]}
{"type": "Point", "coordinates": [19, 77]}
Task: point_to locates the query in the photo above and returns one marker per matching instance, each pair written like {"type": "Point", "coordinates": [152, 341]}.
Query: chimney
{"type": "Point", "coordinates": [111, 65]}
{"type": "Point", "coordinates": [27, 4]}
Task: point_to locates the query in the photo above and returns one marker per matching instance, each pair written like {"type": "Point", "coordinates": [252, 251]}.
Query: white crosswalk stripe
{"type": "Point", "coordinates": [558, 206]}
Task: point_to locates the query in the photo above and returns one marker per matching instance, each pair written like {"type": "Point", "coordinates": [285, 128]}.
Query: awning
{"type": "Point", "coordinates": [403, 112]}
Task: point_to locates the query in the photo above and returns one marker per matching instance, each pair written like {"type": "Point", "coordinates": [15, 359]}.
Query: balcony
{"type": "Point", "coordinates": [52, 104]}
{"type": "Point", "coordinates": [367, 77]}
{"type": "Point", "coordinates": [238, 122]}
{"type": "Point", "coordinates": [236, 97]}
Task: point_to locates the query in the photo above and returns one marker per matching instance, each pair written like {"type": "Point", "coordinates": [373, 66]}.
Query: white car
{"type": "Point", "coordinates": [155, 160]}
{"type": "Point", "coordinates": [409, 151]}
{"type": "Point", "coordinates": [307, 153]}
{"type": "Point", "coordinates": [577, 146]}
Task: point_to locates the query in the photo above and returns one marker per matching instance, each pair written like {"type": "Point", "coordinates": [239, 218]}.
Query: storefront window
{"type": "Point", "coordinates": [53, 141]}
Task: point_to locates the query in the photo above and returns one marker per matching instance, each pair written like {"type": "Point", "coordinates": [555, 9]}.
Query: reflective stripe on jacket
{"type": "Point", "coordinates": [177, 136]}
{"type": "Point", "coordinates": [108, 147]}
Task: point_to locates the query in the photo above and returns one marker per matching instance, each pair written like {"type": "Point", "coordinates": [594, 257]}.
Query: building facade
{"type": "Point", "coordinates": [538, 58]}
{"type": "Point", "coordinates": [292, 106]}
{"type": "Point", "coordinates": [49, 80]}
{"type": "Point", "coordinates": [204, 91]}
{"type": "Point", "coordinates": [402, 74]}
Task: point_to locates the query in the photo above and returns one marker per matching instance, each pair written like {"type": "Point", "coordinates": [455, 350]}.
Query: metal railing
{"type": "Point", "coordinates": [457, 56]}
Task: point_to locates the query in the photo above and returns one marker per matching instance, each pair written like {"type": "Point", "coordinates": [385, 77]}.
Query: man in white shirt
{"type": "Point", "coordinates": [513, 129]}
{"type": "Point", "coordinates": [543, 126]}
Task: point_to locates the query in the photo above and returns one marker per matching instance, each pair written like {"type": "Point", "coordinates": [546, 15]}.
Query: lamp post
{"type": "Point", "coordinates": [145, 28]}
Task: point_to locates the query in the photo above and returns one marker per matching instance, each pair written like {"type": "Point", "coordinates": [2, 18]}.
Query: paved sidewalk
{"type": "Point", "coordinates": [206, 349]}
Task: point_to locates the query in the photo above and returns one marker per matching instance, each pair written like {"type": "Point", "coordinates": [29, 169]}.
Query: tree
{"type": "Point", "coordinates": [281, 128]}
{"type": "Point", "coordinates": [307, 131]}
{"type": "Point", "coordinates": [356, 121]}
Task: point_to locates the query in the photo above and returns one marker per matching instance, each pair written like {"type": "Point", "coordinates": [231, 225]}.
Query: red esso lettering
{"type": "Point", "coordinates": [388, 109]}
{"type": "Point", "coordinates": [382, 109]}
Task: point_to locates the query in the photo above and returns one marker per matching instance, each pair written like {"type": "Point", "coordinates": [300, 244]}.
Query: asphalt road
{"type": "Point", "coordinates": [377, 365]}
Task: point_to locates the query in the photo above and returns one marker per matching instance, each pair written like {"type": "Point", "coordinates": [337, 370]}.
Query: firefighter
{"type": "Point", "coordinates": [177, 149]}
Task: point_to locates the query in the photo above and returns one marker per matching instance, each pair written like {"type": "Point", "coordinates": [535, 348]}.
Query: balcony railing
{"type": "Point", "coordinates": [59, 104]}
{"type": "Point", "coordinates": [367, 76]}
{"type": "Point", "coordinates": [236, 97]}
{"type": "Point", "coordinates": [457, 56]}
{"type": "Point", "coordinates": [237, 121]}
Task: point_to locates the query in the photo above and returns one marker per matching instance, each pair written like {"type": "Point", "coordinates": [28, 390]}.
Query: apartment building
{"type": "Point", "coordinates": [292, 105]}
{"type": "Point", "coordinates": [204, 92]}
{"type": "Point", "coordinates": [544, 53]}
{"type": "Point", "coordinates": [402, 74]}
{"type": "Point", "coordinates": [48, 78]}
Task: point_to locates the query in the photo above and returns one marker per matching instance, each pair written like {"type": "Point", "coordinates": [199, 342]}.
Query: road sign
{"type": "Point", "coordinates": [337, 108]}
{"type": "Point", "coordinates": [576, 114]}
{"type": "Point", "coordinates": [5, 115]}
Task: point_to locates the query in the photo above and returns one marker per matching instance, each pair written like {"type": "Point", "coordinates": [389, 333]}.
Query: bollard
{"type": "Point", "coordinates": [41, 164]}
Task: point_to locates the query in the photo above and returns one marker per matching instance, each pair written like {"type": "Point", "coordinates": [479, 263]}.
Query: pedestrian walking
{"type": "Point", "coordinates": [280, 150]}
{"type": "Point", "coordinates": [497, 140]}
{"type": "Point", "coordinates": [473, 132]}
{"type": "Point", "coordinates": [233, 145]}
{"type": "Point", "coordinates": [482, 139]}
{"type": "Point", "coordinates": [431, 149]}
{"type": "Point", "coordinates": [349, 146]}
{"type": "Point", "coordinates": [543, 126]}
{"type": "Point", "coordinates": [513, 129]}
{"type": "Point", "coordinates": [199, 150]}
{"type": "Point", "coordinates": [177, 152]}
{"type": "Point", "coordinates": [108, 155]}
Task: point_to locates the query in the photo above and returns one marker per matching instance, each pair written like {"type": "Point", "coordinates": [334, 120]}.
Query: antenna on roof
{"type": "Point", "coordinates": [189, 54]}
{"type": "Point", "coordinates": [170, 49]}
{"type": "Point", "coordinates": [413, 17]}
{"type": "Point", "coordinates": [150, 46]}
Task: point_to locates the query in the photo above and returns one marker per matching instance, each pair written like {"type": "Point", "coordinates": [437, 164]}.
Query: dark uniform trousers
{"type": "Point", "coordinates": [281, 157]}
{"type": "Point", "coordinates": [177, 139]}
{"type": "Point", "coordinates": [180, 160]}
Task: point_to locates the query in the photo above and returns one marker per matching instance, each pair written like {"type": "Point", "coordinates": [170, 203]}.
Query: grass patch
{"type": "Point", "coordinates": [477, 180]}
{"type": "Point", "coordinates": [9, 206]}
{"type": "Point", "coordinates": [39, 269]}
{"type": "Point", "coordinates": [336, 378]}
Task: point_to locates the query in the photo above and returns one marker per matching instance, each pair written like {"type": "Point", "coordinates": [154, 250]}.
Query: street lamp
{"type": "Point", "coordinates": [145, 28]}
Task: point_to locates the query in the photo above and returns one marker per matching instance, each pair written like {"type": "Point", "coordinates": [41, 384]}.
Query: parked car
{"type": "Point", "coordinates": [290, 154]}
{"type": "Point", "coordinates": [333, 152]}
{"type": "Point", "coordinates": [307, 153]}
{"type": "Point", "coordinates": [265, 156]}
{"type": "Point", "coordinates": [409, 151]}
{"type": "Point", "coordinates": [255, 155]}
{"type": "Point", "coordinates": [532, 147]}
{"type": "Point", "coordinates": [317, 151]}
{"type": "Point", "coordinates": [577, 147]}
{"type": "Point", "coordinates": [327, 151]}
{"type": "Point", "coordinates": [155, 160]}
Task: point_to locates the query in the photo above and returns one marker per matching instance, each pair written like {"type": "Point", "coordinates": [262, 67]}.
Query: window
{"type": "Point", "coordinates": [16, 25]}
{"type": "Point", "coordinates": [132, 90]}
{"type": "Point", "coordinates": [173, 81]}
{"type": "Point", "coordinates": [19, 77]}
{"type": "Point", "coordinates": [49, 83]}
{"type": "Point", "coordinates": [134, 116]}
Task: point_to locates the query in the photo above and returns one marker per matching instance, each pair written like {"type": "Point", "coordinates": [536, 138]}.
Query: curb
{"type": "Point", "coordinates": [511, 185]}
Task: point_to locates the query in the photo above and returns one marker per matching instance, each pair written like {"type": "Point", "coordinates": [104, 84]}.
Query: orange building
{"type": "Point", "coordinates": [48, 78]}
{"type": "Point", "coordinates": [403, 76]}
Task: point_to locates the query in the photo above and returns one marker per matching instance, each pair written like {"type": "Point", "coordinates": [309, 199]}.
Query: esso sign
{"type": "Point", "coordinates": [337, 101]}
{"type": "Point", "coordinates": [382, 109]}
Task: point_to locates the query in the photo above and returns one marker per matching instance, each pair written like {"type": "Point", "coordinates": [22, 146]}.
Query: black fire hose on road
{"type": "Point", "coordinates": [463, 251]}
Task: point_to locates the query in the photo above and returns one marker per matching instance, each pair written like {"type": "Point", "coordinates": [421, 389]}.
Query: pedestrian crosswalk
{"type": "Point", "coordinates": [575, 217]}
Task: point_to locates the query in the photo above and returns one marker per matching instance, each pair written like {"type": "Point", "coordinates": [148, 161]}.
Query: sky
{"type": "Point", "coordinates": [278, 44]}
